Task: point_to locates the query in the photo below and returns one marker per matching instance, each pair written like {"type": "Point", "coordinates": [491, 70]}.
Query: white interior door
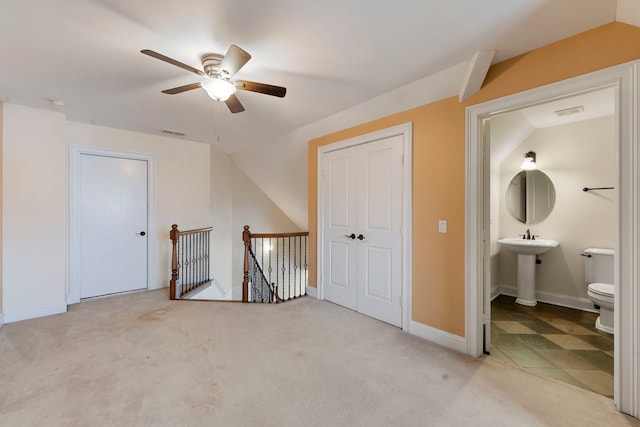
{"type": "Point", "coordinates": [112, 225]}
{"type": "Point", "coordinates": [362, 220]}
{"type": "Point", "coordinates": [339, 218]}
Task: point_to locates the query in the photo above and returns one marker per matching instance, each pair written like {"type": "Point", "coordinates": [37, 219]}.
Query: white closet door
{"type": "Point", "coordinates": [112, 208]}
{"type": "Point", "coordinates": [362, 220]}
{"type": "Point", "coordinates": [379, 263]}
{"type": "Point", "coordinates": [339, 206]}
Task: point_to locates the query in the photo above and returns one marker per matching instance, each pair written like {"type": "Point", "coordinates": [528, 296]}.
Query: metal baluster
{"type": "Point", "coordinates": [295, 266]}
{"type": "Point", "coordinates": [196, 261]}
{"type": "Point", "coordinates": [182, 267]}
{"type": "Point", "coordinates": [306, 275]}
{"type": "Point", "coordinates": [299, 265]}
{"type": "Point", "coordinates": [270, 250]}
{"type": "Point", "coordinates": [199, 257]}
{"type": "Point", "coordinates": [208, 255]}
{"type": "Point", "coordinates": [190, 261]}
{"type": "Point", "coordinates": [277, 256]}
{"type": "Point", "coordinates": [289, 271]}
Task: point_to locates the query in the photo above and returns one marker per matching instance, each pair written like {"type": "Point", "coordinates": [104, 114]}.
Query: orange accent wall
{"type": "Point", "coordinates": [438, 288]}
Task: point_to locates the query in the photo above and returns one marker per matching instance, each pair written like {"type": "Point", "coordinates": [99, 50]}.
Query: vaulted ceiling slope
{"type": "Point", "coordinates": [331, 55]}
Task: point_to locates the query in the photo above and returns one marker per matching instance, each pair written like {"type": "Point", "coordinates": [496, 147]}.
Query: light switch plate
{"type": "Point", "coordinates": [442, 226]}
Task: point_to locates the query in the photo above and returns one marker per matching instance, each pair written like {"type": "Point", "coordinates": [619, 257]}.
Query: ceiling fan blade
{"type": "Point", "coordinates": [234, 104]}
{"type": "Point", "coordinates": [233, 60]}
{"type": "Point", "coordinates": [172, 61]}
{"type": "Point", "coordinates": [181, 89]}
{"type": "Point", "coordinates": [278, 91]}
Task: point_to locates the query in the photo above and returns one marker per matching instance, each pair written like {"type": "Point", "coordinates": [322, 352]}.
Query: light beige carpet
{"type": "Point", "coordinates": [143, 360]}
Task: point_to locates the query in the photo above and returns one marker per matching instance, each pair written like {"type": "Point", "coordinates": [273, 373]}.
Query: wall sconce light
{"type": "Point", "coordinates": [529, 161]}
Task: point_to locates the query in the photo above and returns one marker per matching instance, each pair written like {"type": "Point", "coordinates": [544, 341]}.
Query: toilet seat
{"type": "Point", "coordinates": [603, 289]}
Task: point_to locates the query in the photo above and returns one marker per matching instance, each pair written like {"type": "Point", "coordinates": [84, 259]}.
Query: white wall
{"type": "Point", "coordinates": [34, 216]}
{"type": "Point", "coordinates": [221, 206]}
{"type": "Point", "coordinates": [574, 156]}
{"type": "Point", "coordinates": [628, 11]}
{"type": "Point", "coordinates": [253, 208]}
{"type": "Point", "coordinates": [507, 131]}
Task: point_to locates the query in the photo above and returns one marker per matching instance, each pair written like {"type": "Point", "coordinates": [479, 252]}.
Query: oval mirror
{"type": "Point", "coordinates": [530, 196]}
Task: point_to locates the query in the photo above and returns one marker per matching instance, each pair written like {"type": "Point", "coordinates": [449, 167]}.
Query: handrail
{"type": "Point", "coordinates": [275, 235]}
{"type": "Point", "coordinates": [197, 230]}
{"type": "Point", "coordinates": [277, 259]}
{"type": "Point", "coordinates": [192, 256]}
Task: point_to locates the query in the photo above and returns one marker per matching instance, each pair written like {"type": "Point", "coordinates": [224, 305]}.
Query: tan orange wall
{"type": "Point", "coordinates": [439, 157]}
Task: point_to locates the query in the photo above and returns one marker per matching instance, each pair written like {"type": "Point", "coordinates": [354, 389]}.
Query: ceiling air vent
{"type": "Point", "coordinates": [172, 132]}
{"type": "Point", "coordinates": [567, 111]}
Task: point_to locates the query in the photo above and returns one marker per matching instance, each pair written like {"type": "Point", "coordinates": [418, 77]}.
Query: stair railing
{"type": "Point", "coordinates": [275, 266]}
{"type": "Point", "coordinates": [189, 261]}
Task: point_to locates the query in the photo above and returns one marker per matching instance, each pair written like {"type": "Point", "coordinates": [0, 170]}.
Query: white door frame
{"type": "Point", "coordinates": [625, 78]}
{"type": "Point", "coordinates": [75, 151]}
{"type": "Point", "coordinates": [404, 130]}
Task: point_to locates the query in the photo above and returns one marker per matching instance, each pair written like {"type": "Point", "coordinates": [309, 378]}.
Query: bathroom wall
{"type": "Point", "coordinates": [506, 133]}
{"type": "Point", "coordinates": [574, 156]}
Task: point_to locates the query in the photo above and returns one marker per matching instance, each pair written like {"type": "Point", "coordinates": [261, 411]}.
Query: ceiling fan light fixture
{"type": "Point", "coordinates": [219, 89]}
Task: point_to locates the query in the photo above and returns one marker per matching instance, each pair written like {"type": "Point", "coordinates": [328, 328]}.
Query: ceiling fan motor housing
{"type": "Point", "coordinates": [211, 64]}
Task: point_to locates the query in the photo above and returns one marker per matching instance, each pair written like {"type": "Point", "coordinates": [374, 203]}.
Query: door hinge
{"type": "Point", "coordinates": [486, 318]}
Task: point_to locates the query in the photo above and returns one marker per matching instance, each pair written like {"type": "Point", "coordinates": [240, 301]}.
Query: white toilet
{"type": "Point", "coordinates": [598, 273]}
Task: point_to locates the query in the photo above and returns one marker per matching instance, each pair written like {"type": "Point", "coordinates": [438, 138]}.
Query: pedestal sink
{"type": "Point", "coordinates": [527, 251]}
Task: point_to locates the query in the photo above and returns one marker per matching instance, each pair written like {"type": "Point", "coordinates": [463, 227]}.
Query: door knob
{"type": "Point", "coordinates": [350, 236]}
{"type": "Point", "coordinates": [142, 233]}
{"type": "Point", "coordinates": [360, 237]}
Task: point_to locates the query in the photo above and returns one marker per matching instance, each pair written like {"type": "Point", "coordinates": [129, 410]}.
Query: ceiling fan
{"type": "Point", "coordinates": [218, 71]}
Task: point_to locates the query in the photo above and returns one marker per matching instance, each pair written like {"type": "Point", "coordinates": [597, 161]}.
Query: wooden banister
{"type": "Point", "coordinates": [275, 266]}
{"type": "Point", "coordinates": [174, 234]}
{"type": "Point", "coordinates": [246, 238]}
{"type": "Point", "coordinates": [198, 277]}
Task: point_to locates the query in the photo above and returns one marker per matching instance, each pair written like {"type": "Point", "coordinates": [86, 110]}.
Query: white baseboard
{"type": "Point", "coordinates": [312, 292]}
{"type": "Point", "coordinates": [437, 336]}
{"type": "Point", "coordinates": [495, 292]}
{"type": "Point", "coordinates": [32, 313]}
{"type": "Point", "coordinates": [577, 303]}
{"type": "Point", "coordinates": [1, 318]}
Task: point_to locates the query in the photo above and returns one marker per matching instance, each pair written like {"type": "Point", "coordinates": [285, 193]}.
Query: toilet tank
{"type": "Point", "coordinates": [598, 265]}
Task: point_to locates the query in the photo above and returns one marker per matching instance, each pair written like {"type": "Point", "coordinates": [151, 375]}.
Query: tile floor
{"type": "Point", "coordinates": [552, 341]}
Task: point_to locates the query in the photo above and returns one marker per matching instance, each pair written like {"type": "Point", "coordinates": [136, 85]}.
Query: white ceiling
{"type": "Point", "coordinates": [510, 129]}
{"type": "Point", "coordinates": [597, 103]}
{"type": "Point", "coordinates": [330, 54]}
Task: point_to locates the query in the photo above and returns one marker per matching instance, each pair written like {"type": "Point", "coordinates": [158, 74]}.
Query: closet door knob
{"type": "Point", "coordinates": [350, 236]}
{"type": "Point", "coordinates": [360, 237]}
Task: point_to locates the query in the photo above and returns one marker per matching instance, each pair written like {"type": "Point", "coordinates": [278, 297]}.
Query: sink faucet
{"type": "Point", "coordinates": [527, 235]}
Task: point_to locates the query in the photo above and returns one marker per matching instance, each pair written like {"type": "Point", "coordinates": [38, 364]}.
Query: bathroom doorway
{"type": "Point", "coordinates": [541, 157]}
{"type": "Point", "coordinates": [623, 80]}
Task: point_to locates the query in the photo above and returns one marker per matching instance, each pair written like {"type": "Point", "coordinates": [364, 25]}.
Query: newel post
{"type": "Point", "coordinates": [246, 238]}
{"type": "Point", "coordinates": [174, 234]}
